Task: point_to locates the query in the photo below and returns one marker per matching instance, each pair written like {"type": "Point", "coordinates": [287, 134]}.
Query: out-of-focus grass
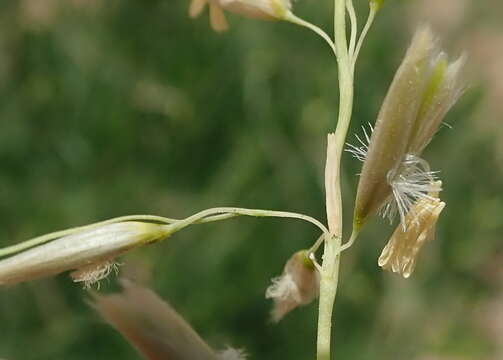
{"type": "Point", "coordinates": [110, 108]}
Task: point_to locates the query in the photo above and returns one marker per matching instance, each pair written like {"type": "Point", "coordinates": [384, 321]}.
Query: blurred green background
{"type": "Point", "coordinates": [110, 108]}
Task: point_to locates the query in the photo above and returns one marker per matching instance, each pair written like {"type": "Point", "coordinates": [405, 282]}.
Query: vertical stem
{"type": "Point", "coordinates": [328, 289]}
{"type": "Point", "coordinates": [331, 256]}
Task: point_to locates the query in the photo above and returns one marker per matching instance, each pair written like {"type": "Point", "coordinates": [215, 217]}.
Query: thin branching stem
{"type": "Point", "coordinates": [246, 212]}
{"type": "Point", "coordinates": [296, 20]}
{"type": "Point", "coordinates": [351, 240]}
{"type": "Point", "coordinates": [317, 244]}
{"type": "Point", "coordinates": [370, 20]}
{"type": "Point", "coordinates": [354, 25]}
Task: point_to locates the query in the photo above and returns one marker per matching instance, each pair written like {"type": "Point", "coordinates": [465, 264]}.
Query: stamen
{"type": "Point", "coordinates": [94, 273]}
{"type": "Point", "coordinates": [413, 180]}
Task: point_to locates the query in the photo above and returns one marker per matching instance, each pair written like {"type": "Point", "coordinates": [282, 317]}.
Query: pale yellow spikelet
{"type": "Point", "coordinates": [400, 254]}
{"type": "Point", "coordinates": [80, 250]}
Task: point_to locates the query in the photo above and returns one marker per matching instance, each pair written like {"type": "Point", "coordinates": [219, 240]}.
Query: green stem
{"type": "Point", "coordinates": [328, 289]}
{"type": "Point", "coordinates": [331, 257]}
{"type": "Point", "coordinates": [351, 240]}
{"type": "Point", "coordinates": [317, 244]}
{"type": "Point", "coordinates": [233, 211]}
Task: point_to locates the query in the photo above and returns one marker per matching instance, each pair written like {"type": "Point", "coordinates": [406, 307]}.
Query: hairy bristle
{"type": "Point", "coordinates": [359, 151]}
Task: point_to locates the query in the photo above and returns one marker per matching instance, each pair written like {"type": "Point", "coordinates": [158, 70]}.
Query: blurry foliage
{"type": "Point", "coordinates": [111, 107]}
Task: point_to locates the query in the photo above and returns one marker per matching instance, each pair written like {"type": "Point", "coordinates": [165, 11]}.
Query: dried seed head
{"type": "Point", "coordinates": [298, 285]}
{"type": "Point", "coordinates": [256, 9]}
{"type": "Point", "coordinates": [423, 90]}
{"type": "Point", "coordinates": [400, 254]}
{"type": "Point", "coordinates": [85, 249]}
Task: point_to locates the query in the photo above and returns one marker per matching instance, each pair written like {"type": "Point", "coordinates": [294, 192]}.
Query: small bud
{"type": "Point", "coordinates": [424, 88]}
{"type": "Point", "coordinates": [298, 285]}
{"type": "Point", "coordinates": [87, 250]}
{"type": "Point", "coordinates": [376, 4]}
{"type": "Point", "coordinates": [400, 254]}
{"type": "Point", "coordinates": [154, 328]}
